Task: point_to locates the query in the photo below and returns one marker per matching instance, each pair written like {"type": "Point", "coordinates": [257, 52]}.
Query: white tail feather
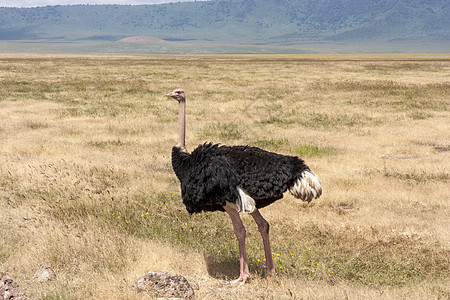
{"type": "Point", "coordinates": [244, 203]}
{"type": "Point", "coordinates": [307, 187]}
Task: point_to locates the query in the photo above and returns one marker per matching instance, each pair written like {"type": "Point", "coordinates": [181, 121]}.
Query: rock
{"type": "Point", "coordinates": [163, 284]}
{"type": "Point", "coordinates": [9, 289]}
{"type": "Point", "coordinates": [45, 273]}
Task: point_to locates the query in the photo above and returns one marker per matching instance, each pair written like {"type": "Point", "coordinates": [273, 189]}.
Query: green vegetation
{"type": "Point", "coordinates": [307, 150]}
{"type": "Point", "coordinates": [318, 254]}
{"type": "Point", "coordinates": [221, 132]}
{"type": "Point", "coordinates": [418, 177]}
{"type": "Point", "coordinates": [320, 120]}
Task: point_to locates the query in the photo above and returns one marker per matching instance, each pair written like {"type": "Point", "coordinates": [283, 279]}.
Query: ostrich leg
{"type": "Point", "coordinates": [239, 230]}
{"type": "Point", "coordinates": [263, 227]}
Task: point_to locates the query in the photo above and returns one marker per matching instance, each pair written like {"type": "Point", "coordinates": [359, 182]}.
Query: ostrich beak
{"type": "Point", "coordinates": [171, 94]}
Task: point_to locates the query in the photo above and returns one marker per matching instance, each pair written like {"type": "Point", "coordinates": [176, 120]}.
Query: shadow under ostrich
{"type": "Point", "coordinates": [238, 179]}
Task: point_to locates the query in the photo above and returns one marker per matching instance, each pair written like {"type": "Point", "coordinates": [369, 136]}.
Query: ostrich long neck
{"type": "Point", "coordinates": [182, 125]}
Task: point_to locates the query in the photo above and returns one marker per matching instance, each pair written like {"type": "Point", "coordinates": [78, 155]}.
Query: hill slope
{"type": "Point", "coordinates": [237, 21]}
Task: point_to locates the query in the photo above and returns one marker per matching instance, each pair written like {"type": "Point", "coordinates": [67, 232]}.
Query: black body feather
{"type": "Point", "coordinates": [210, 175]}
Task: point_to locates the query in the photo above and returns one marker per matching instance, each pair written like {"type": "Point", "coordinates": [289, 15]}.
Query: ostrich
{"type": "Point", "coordinates": [238, 179]}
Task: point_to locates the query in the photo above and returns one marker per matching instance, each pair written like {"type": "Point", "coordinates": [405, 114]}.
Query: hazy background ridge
{"type": "Point", "coordinates": [406, 24]}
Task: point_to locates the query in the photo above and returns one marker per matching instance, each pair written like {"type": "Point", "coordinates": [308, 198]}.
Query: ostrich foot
{"type": "Point", "coordinates": [271, 273]}
{"type": "Point", "coordinates": [237, 282]}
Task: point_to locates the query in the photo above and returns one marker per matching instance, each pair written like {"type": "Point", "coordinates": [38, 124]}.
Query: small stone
{"type": "Point", "coordinates": [166, 285]}
{"type": "Point", "coordinates": [9, 289]}
{"type": "Point", "coordinates": [45, 273]}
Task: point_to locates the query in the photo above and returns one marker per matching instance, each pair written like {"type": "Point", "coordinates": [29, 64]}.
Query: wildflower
{"type": "Point", "coordinates": [292, 254]}
{"type": "Point", "coordinates": [312, 271]}
{"type": "Point", "coordinates": [281, 267]}
{"type": "Point", "coordinates": [258, 260]}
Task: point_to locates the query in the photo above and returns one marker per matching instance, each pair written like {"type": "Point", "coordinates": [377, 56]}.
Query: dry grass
{"type": "Point", "coordinates": [86, 183]}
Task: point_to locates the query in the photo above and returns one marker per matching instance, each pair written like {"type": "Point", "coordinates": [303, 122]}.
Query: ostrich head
{"type": "Point", "coordinates": [177, 94]}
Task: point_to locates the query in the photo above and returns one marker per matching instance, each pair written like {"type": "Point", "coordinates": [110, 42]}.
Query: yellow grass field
{"type": "Point", "coordinates": [86, 183]}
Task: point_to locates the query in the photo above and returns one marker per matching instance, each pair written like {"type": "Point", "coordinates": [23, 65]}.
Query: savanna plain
{"type": "Point", "coordinates": [86, 182]}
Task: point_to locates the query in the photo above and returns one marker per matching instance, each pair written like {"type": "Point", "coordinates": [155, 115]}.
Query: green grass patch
{"type": "Point", "coordinates": [278, 120]}
{"type": "Point", "coordinates": [379, 88]}
{"type": "Point", "coordinates": [314, 151]}
{"type": "Point", "coordinates": [322, 120]}
{"type": "Point", "coordinates": [317, 120]}
{"type": "Point", "coordinates": [391, 94]}
{"type": "Point", "coordinates": [127, 131]}
{"type": "Point", "coordinates": [417, 176]}
{"type": "Point", "coordinates": [419, 115]}
{"type": "Point", "coordinates": [110, 143]}
{"type": "Point", "coordinates": [351, 257]}
{"type": "Point", "coordinates": [36, 125]}
{"type": "Point", "coordinates": [400, 67]}
{"type": "Point", "coordinates": [301, 150]}
{"type": "Point", "coordinates": [7, 250]}
{"type": "Point", "coordinates": [272, 144]}
{"type": "Point", "coordinates": [221, 131]}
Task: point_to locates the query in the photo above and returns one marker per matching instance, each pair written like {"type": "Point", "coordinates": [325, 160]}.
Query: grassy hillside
{"type": "Point", "coordinates": [237, 21]}
{"type": "Point", "coordinates": [86, 183]}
